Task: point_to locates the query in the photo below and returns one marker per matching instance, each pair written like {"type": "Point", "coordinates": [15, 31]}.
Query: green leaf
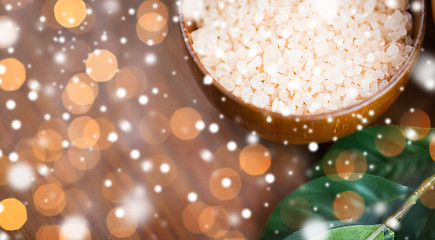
{"type": "Point", "coordinates": [339, 232]}
{"type": "Point", "coordinates": [429, 228]}
{"type": "Point", "coordinates": [389, 234]}
{"type": "Point", "coordinates": [410, 167]}
{"type": "Point", "coordinates": [314, 202]}
{"type": "Point", "coordinates": [358, 232]}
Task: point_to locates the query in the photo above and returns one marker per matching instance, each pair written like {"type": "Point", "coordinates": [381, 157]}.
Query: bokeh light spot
{"type": "Point", "coordinates": [152, 22]}
{"type": "Point", "coordinates": [70, 13]}
{"type": "Point", "coordinates": [117, 186]}
{"type": "Point", "coordinates": [83, 159]}
{"type": "Point", "coordinates": [152, 6]}
{"type": "Point", "coordinates": [66, 172]}
{"type": "Point", "coordinates": [390, 141]}
{"type": "Point", "coordinates": [191, 216]}
{"type": "Point", "coordinates": [154, 128]}
{"type": "Point", "coordinates": [13, 215]}
{"type": "Point", "coordinates": [88, 23]}
{"type": "Point", "coordinates": [432, 148]}
{"type": "Point", "coordinates": [165, 171]}
{"type": "Point", "coordinates": [130, 81]}
{"type": "Point", "coordinates": [232, 235]}
{"type": "Point", "coordinates": [47, 145]}
{"type": "Point", "coordinates": [81, 89]}
{"type": "Point", "coordinates": [101, 65]}
{"type": "Point", "coordinates": [349, 165]}
{"type": "Point", "coordinates": [183, 123]}
{"type": "Point", "coordinates": [349, 206]}
{"type": "Point", "coordinates": [84, 132]}
{"type": "Point", "coordinates": [77, 203]}
{"type": "Point", "coordinates": [48, 232]}
{"type": "Point", "coordinates": [214, 221]}
{"type": "Point", "coordinates": [12, 74]}
{"type": "Point", "coordinates": [255, 159]}
{"type": "Point", "coordinates": [122, 222]}
{"type": "Point", "coordinates": [428, 198]}
{"type": "Point", "coordinates": [415, 124]}
{"type": "Point", "coordinates": [225, 183]}
{"type": "Point", "coordinates": [49, 199]}
{"type": "Point", "coordinates": [295, 212]}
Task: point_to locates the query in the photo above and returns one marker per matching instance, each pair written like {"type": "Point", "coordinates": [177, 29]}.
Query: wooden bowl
{"type": "Point", "coordinates": [303, 129]}
{"type": "Point", "coordinates": [433, 10]}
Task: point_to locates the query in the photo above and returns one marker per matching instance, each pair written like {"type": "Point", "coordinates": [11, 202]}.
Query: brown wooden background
{"type": "Point", "coordinates": [37, 48]}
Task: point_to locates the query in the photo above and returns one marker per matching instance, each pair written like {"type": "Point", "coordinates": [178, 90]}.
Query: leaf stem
{"type": "Point", "coordinates": [392, 220]}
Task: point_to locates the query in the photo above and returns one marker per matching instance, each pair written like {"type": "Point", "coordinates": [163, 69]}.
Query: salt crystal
{"type": "Point", "coordinates": [370, 58]}
{"type": "Point", "coordinates": [299, 57]}
{"type": "Point", "coordinates": [227, 83]}
{"type": "Point", "coordinates": [260, 99]}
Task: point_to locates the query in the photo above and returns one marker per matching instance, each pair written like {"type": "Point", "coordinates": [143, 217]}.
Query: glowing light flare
{"type": "Point", "coordinates": [165, 171]}
{"type": "Point", "coordinates": [49, 199]}
{"type": "Point", "coordinates": [14, 4]}
{"type": "Point", "coordinates": [424, 74]}
{"type": "Point", "coordinates": [214, 221]}
{"type": "Point", "coordinates": [84, 132]}
{"type": "Point", "coordinates": [225, 184]}
{"type": "Point", "coordinates": [183, 123]}
{"type": "Point", "coordinates": [191, 216]}
{"type": "Point", "coordinates": [349, 206]}
{"type": "Point", "coordinates": [13, 214]}
{"type": "Point", "coordinates": [154, 128]}
{"type": "Point", "coordinates": [415, 124]}
{"type": "Point", "coordinates": [101, 65]}
{"type": "Point", "coordinates": [20, 176]}
{"type": "Point", "coordinates": [255, 159]}
{"type": "Point", "coordinates": [117, 186]}
{"type": "Point", "coordinates": [12, 74]}
{"type": "Point", "coordinates": [8, 32]}
{"type": "Point", "coordinates": [295, 212]}
{"type": "Point", "coordinates": [74, 228]}
{"type": "Point", "coordinates": [390, 141]}
{"type": "Point", "coordinates": [122, 222]}
{"type": "Point", "coordinates": [70, 13]}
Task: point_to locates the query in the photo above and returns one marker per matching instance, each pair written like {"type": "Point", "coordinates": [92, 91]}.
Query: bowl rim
{"type": "Point", "coordinates": [405, 67]}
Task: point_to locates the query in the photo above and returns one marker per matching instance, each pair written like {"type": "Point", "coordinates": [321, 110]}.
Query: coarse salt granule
{"type": "Point", "coordinates": [301, 56]}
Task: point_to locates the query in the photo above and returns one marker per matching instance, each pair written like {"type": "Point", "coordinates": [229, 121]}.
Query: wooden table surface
{"type": "Point", "coordinates": [163, 216]}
